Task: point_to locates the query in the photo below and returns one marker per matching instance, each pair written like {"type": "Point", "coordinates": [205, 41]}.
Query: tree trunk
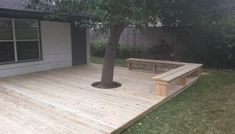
{"type": "Point", "coordinates": [110, 55]}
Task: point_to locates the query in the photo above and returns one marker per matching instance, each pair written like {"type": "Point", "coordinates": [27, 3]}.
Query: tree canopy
{"type": "Point", "coordinates": [142, 12]}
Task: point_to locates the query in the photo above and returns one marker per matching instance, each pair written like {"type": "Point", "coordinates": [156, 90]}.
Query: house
{"type": "Point", "coordinates": [28, 43]}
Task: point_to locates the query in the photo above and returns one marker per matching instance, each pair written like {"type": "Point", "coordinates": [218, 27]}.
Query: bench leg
{"type": "Point", "coordinates": [130, 66]}
{"type": "Point", "coordinates": [181, 81]}
{"type": "Point", "coordinates": [161, 89]}
{"type": "Point", "coordinates": [155, 68]}
{"type": "Point", "coordinates": [196, 73]}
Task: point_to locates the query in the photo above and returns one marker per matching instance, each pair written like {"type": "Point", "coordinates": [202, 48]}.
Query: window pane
{"type": "Point", "coordinates": [6, 29]}
{"type": "Point", "coordinates": [7, 52]}
{"type": "Point", "coordinates": [26, 29]}
{"type": "Point", "coordinates": [27, 50]}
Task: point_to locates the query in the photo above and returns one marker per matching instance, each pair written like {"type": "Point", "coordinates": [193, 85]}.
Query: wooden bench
{"type": "Point", "coordinates": [180, 73]}
{"type": "Point", "coordinates": [156, 64]}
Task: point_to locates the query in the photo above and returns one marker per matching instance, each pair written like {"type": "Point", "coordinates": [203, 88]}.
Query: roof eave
{"type": "Point", "coordinates": [21, 13]}
{"type": "Point", "coordinates": [37, 14]}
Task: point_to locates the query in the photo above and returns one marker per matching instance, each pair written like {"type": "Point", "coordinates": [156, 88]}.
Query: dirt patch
{"type": "Point", "coordinates": [98, 85]}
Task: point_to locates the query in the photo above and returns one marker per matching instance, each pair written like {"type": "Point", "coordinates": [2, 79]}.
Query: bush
{"type": "Point", "coordinates": [98, 48]}
{"type": "Point", "coordinates": [123, 51]}
{"type": "Point", "coordinates": [126, 51]}
{"type": "Point", "coordinates": [160, 51]}
{"type": "Point", "coordinates": [215, 52]}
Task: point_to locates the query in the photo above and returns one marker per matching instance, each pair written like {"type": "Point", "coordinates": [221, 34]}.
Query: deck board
{"type": "Point", "coordinates": [63, 101]}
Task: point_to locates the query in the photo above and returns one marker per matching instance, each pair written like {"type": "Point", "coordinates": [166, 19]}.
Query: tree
{"type": "Point", "coordinates": [115, 15]}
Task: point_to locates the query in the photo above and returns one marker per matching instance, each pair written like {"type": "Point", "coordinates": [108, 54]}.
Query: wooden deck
{"type": "Point", "coordinates": [63, 102]}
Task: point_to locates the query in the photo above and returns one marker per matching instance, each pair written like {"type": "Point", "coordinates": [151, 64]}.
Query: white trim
{"type": "Point", "coordinates": [28, 40]}
{"type": "Point", "coordinates": [39, 41]}
{"type": "Point", "coordinates": [6, 40]}
{"type": "Point", "coordinates": [14, 39]}
{"type": "Point", "coordinates": [88, 52]}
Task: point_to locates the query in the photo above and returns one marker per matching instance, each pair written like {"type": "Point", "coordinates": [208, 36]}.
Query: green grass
{"type": "Point", "coordinates": [208, 107]}
{"type": "Point", "coordinates": [99, 60]}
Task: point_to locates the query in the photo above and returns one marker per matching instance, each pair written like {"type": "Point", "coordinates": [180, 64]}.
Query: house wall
{"type": "Point", "coordinates": [56, 51]}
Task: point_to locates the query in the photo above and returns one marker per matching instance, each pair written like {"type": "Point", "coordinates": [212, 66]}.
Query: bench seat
{"type": "Point", "coordinates": [154, 63]}
{"type": "Point", "coordinates": [136, 60]}
{"type": "Point", "coordinates": [179, 72]}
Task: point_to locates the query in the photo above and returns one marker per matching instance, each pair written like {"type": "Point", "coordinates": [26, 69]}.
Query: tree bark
{"type": "Point", "coordinates": [110, 55]}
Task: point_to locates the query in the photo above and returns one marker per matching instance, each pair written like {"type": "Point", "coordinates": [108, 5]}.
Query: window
{"type": "Point", "coordinates": [19, 40]}
{"type": "Point", "coordinates": [7, 52]}
{"type": "Point", "coordinates": [6, 41]}
{"type": "Point", "coordinates": [27, 50]}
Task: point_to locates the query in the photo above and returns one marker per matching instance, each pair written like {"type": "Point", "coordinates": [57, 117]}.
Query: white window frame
{"type": "Point", "coordinates": [24, 40]}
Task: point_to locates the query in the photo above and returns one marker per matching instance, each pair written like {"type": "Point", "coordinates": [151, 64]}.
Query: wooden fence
{"type": "Point", "coordinates": [147, 38]}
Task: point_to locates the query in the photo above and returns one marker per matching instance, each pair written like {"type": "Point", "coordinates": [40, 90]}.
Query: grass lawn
{"type": "Point", "coordinates": [118, 62]}
{"type": "Point", "coordinates": [208, 107]}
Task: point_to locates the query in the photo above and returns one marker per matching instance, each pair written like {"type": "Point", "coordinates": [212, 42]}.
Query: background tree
{"type": "Point", "coordinates": [115, 15]}
{"type": "Point", "coordinates": [213, 18]}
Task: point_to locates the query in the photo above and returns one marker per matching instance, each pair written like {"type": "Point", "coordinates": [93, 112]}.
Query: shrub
{"type": "Point", "coordinates": [215, 52]}
{"type": "Point", "coordinates": [98, 48]}
{"type": "Point", "coordinates": [139, 52]}
{"type": "Point", "coordinates": [123, 51]}
{"type": "Point", "coordinates": [127, 51]}
{"type": "Point", "coordinates": [160, 51]}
